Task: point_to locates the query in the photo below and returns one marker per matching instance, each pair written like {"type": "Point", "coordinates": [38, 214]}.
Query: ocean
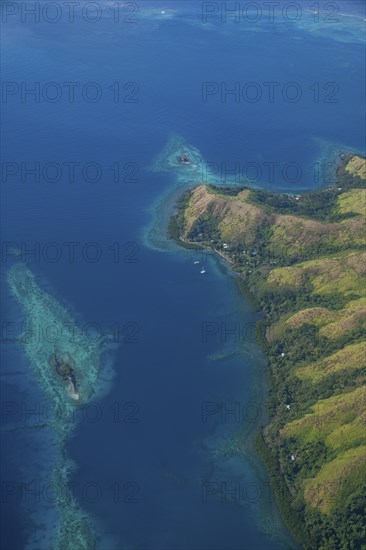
{"type": "Point", "coordinates": [88, 106]}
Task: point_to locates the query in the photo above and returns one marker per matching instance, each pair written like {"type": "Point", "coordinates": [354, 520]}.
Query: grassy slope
{"type": "Point", "coordinates": [304, 262]}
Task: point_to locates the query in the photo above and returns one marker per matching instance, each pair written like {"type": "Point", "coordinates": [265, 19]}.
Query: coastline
{"type": "Point", "coordinates": [155, 237]}
{"type": "Point", "coordinates": [242, 443]}
{"type": "Point", "coordinates": [268, 455]}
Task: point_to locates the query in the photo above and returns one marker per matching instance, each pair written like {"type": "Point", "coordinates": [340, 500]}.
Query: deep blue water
{"type": "Point", "coordinates": [167, 373]}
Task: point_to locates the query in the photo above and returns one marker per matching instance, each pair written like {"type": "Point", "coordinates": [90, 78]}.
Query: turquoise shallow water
{"type": "Point", "coordinates": [142, 461]}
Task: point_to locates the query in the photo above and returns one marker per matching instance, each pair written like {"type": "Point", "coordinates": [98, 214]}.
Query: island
{"type": "Point", "coordinates": [63, 367]}
{"type": "Point", "coordinates": [301, 261]}
{"type": "Point", "coordinates": [71, 369]}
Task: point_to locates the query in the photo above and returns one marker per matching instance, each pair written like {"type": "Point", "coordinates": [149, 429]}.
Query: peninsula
{"type": "Point", "coordinates": [301, 261]}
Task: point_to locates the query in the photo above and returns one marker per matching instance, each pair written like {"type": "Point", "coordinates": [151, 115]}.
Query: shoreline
{"type": "Point", "coordinates": [245, 439]}
{"type": "Point", "coordinates": [263, 449]}
{"type": "Point", "coordinates": [242, 443]}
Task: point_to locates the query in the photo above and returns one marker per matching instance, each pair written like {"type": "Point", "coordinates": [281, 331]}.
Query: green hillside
{"type": "Point", "coordinates": [302, 261]}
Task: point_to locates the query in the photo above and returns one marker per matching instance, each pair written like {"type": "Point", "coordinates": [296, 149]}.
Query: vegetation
{"type": "Point", "coordinates": [64, 369]}
{"type": "Point", "coordinates": [173, 229]}
{"type": "Point", "coordinates": [301, 260]}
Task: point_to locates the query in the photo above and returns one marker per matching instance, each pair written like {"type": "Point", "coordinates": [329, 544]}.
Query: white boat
{"type": "Point", "coordinates": [203, 270]}
{"type": "Point", "coordinates": [196, 262]}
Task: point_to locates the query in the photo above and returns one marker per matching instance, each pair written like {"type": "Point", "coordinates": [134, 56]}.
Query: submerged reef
{"type": "Point", "coordinates": [67, 364]}
{"type": "Point", "coordinates": [185, 160]}
{"type": "Point", "coordinates": [57, 348]}
{"type": "Point", "coordinates": [185, 163]}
